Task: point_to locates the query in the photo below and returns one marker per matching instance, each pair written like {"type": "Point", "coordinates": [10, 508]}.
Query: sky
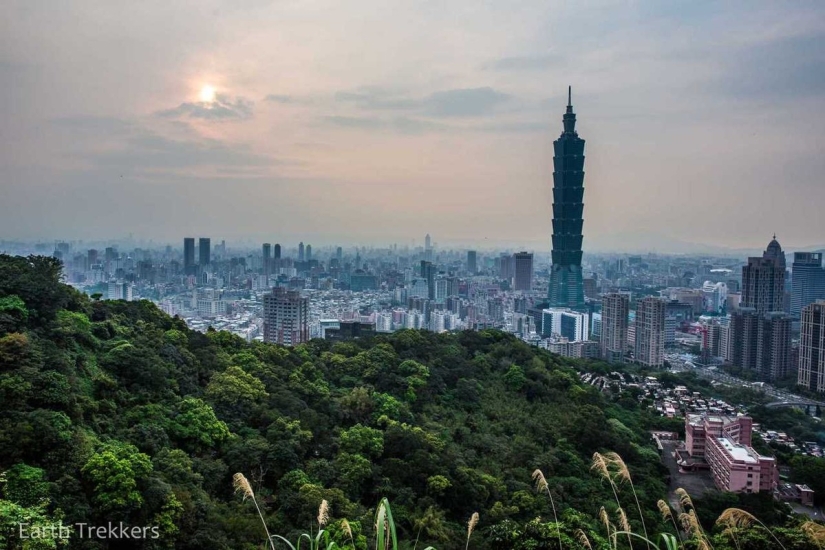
{"type": "Point", "coordinates": [377, 121]}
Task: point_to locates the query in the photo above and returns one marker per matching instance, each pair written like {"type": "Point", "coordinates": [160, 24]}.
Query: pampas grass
{"type": "Point", "coordinates": [815, 532]}
{"type": "Point", "coordinates": [735, 518]}
{"type": "Point", "coordinates": [623, 473]}
{"type": "Point", "coordinates": [541, 485]}
{"type": "Point", "coordinates": [323, 514]}
{"type": "Point", "coordinates": [470, 526]}
{"type": "Point", "coordinates": [581, 536]}
{"type": "Point", "coordinates": [241, 485]}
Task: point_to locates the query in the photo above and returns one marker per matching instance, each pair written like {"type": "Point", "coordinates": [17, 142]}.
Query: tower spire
{"type": "Point", "coordinates": [570, 96]}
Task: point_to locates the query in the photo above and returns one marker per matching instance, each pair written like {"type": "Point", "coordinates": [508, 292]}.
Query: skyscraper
{"type": "Point", "coordinates": [276, 252]}
{"type": "Point", "coordinates": [808, 284]}
{"type": "Point", "coordinates": [812, 347]}
{"type": "Point", "coordinates": [286, 315]}
{"type": "Point", "coordinates": [472, 262]}
{"type": "Point", "coordinates": [267, 261]}
{"type": "Point", "coordinates": [301, 251]}
{"type": "Point", "coordinates": [760, 327]}
{"type": "Point", "coordinates": [308, 253]}
{"type": "Point", "coordinates": [428, 274]}
{"type": "Point", "coordinates": [650, 332]}
{"type": "Point", "coordinates": [523, 279]}
{"type": "Point", "coordinates": [204, 251]}
{"type": "Point", "coordinates": [339, 255]}
{"type": "Point", "coordinates": [615, 314]}
{"type": "Point", "coordinates": [428, 248]}
{"type": "Point", "coordinates": [566, 287]}
{"type": "Point", "coordinates": [763, 280]}
{"type": "Point", "coordinates": [188, 255]}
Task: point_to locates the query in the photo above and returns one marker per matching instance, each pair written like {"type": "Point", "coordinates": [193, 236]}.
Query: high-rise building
{"type": "Point", "coordinates": [650, 332]}
{"type": "Point", "coordinates": [811, 372]}
{"type": "Point", "coordinates": [267, 261]}
{"type": "Point", "coordinates": [308, 255]}
{"type": "Point", "coordinates": [286, 315]}
{"type": "Point", "coordinates": [301, 251]}
{"type": "Point", "coordinates": [615, 312]}
{"type": "Point", "coordinates": [760, 328]}
{"type": "Point", "coordinates": [523, 279]}
{"type": "Point", "coordinates": [339, 255]}
{"type": "Point", "coordinates": [188, 255]}
{"type": "Point", "coordinates": [566, 287]}
{"type": "Point", "coordinates": [428, 274]}
{"type": "Point", "coordinates": [276, 252]}
{"type": "Point", "coordinates": [808, 283]}
{"type": "Point", "coordinates": [472, 262]}
{"type": "Point", "coordinates": [763, 280]}
{"type": "Point", "coordinates": [204, 251]}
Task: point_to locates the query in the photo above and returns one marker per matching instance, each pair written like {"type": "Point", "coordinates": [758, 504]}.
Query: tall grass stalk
{"type": "Point", "coordinates": [735, 518]}
{"type": "Point", "coordinates": [623, 473]}
{"type": "Point", "coordinates": [241, 485]}
{"type": "Point", "coordinates": [470, 526]}
{"type": "Point", "coordinates": [541, 485]}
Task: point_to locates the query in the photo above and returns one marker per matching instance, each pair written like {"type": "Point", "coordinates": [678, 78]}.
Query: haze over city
{"type": "Point", "coordinates": [321, 122]}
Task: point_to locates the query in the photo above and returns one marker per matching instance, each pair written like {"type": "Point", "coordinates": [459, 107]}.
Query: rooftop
{"type": "Point", "coordinates": [740, 453]}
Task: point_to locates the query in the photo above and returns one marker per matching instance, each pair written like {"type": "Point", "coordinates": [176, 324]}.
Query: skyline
{"type": "Point", "coordinates": [323, 124]}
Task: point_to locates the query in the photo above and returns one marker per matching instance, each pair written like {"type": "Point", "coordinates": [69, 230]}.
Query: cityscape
{"type": "Point", "coordinates": [382, 274]}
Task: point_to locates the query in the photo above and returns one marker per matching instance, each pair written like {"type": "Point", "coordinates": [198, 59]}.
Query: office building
{"type": "Point", "coordinates": [808, 282]}
{"type": "Point", "coordinates": [650, 332]}
{"type": "Point", "coordinates": [204, 251]}
{"type": "Point", "coordinates": [565, 323]}
{"type": "Point", "coordinates": [286, 317]}
{"type": "Point", "coordinates": [614, 321]}
{"type": "Point", "coordinates": [472, 262]}
{"type": "Point", "coordinates": [267, 258]}
{"type": "Point", "coordinates": [350, 330]}
{"type": "Point", "coordinates": [339, 255]}
{"type": "Point", "coordinates": [566, 287]}
{"type": "Point", "coordinates": [301, 251]}
{"type": "Point", "coordinates": [276, 252]}
{"type": "Point", "coordinates": [308, 254]}
{"type": "Point", "coordinates": [811, 371]}
{"type": "Point", "coordinates": [523, 280]}
{"type": "Point", "coordinates": [188, 255]}
{"type": "Point", "coordinates": [428, 272]}
{"type": "Point", "coordinates": [763, 280]}
{"type": "Point", "coordinates": [761, 329]}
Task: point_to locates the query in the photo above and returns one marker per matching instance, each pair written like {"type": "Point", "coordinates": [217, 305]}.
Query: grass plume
{"type": "Point", "coordinates": [470, 526]}
{"type": "Point", "coordinates": [623, 474]}
{"type": "Point", "coordinates": [323, 513]}
{"type": "Point", "coordinates": [541, 485]}
{"type": "Point", "coordinates": [581, 536]}
{"type": "Point", "coordinates": [735, 518]}
{"type": "Point", "coordinates": [241, 485]}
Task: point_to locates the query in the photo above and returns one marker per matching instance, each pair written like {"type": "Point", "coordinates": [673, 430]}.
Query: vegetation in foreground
{"type": "Point", "coordinates": [115, 412]}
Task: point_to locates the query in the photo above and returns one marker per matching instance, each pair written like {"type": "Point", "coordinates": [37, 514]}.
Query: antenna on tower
{"type": "Point", "coordinates": [570, 96]}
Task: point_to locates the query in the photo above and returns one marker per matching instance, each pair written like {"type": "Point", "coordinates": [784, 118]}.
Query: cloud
{"type": "Point", "coordinates": [524, 63]}
{"type": "Point", "coordinates": [277, 98]}
{"type": "Point", "coordinates": [401, 124]}
{"type": "Point", "coordinates": [464, 102]}
{"type": "Point", "coordinates": [223, 108]}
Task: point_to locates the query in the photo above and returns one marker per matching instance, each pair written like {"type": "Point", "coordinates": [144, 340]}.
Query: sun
{"type": "Point", "coordinates": [207, 94]}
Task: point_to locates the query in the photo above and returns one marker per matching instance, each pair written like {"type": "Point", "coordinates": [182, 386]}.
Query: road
{"type": "Point", "coordinates": [682, 362]}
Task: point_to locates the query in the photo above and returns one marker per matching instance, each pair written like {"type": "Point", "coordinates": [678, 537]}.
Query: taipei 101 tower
{"type": "Point", "coordinates": [566, 289]}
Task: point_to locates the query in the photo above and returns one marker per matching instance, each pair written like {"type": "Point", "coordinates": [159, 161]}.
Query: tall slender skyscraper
{"type": "Point", "coordinates": [204, 251]}
{"type": "Point", "coordinates": [615, 314]}
{"type": "Point", "coordinates": [472, 262]}
{"type": "Point", "coordinates": [188, 255]}
{"type": "Point", "coordinates": [763, 280]}
{"type": "Point", "coordinates": [523, 279]}
{"type": "Point", "coordinates": [650, 332]}
{"type": "Point", "coordinates": [308, 253]}
{"type": "Point", "coordinates": [301, 251]}
{"type": "Point", "coordinates": [808, 284]}
{"type": "Point", "coordinates": [566, 288]}
{"type": "Point", "coordinates": [267, 261]}
{"type": "Point", "coordinates": [276, 252]}
{"type": "Point", "coordinates": [812, 347]}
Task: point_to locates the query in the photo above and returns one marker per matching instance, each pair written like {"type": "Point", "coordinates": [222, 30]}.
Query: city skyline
{"type": "Point", "coordinates": [714, 108]}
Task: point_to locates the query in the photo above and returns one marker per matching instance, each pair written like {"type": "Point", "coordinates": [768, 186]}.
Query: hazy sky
{"type": "Point", "coordinates": [378, 121]}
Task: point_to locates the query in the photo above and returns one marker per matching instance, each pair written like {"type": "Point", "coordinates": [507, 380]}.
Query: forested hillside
{"type": "Point", "coordinates": [115, 412]}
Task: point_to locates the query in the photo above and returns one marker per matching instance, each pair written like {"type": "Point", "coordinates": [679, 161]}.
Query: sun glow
{"type": "Point", "coordinates": [207, 94]}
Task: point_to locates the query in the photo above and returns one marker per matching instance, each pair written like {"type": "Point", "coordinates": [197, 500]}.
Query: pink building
{"type": "Point", "coordinates": [724, 442]}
